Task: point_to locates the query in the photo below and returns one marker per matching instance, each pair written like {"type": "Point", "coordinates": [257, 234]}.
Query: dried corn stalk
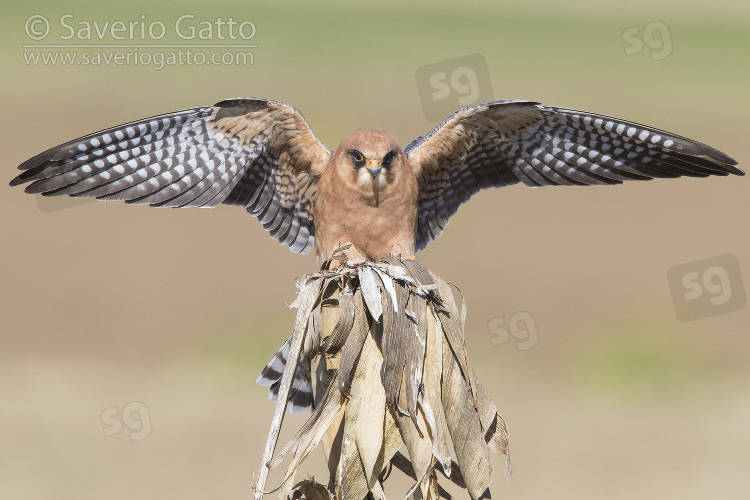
{"type": "Point", "coordinates": [390, 369]}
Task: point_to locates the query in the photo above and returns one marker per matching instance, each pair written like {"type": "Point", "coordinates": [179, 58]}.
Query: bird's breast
{"type": "Point", "coordinates": [375, 230]}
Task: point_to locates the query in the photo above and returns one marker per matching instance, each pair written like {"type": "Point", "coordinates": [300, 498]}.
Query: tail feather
{"type": "Point", "coordinates": [301, 392]}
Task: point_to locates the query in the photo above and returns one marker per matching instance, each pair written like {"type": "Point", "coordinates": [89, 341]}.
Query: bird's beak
{"type": "Point", "coordinates": [373, 166]}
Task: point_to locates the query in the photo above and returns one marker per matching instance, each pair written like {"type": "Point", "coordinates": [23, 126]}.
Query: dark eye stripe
{"type": "Point", "coordinates": [388, 158]}
{"type": "Point", "coordinates": [357, 158]}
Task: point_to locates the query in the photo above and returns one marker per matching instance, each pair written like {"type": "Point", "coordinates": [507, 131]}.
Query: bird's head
{"type": "Point", "coordinates": [371, 162]}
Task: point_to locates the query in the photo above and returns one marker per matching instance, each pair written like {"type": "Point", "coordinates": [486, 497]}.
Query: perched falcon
{"type": "Point", "coordinates": [377, 200]}
{"type": "Point", "coordinates": [370, 193]}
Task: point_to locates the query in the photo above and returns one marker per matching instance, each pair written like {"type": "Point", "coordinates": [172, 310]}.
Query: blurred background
{"type": "Point", "coordinates": [131, 337]}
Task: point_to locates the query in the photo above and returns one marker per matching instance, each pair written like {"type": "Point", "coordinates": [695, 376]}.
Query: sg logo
{"type": "Point", "coordinates": [134, 416]}
{"type": "Point", "coordinates": [446, 86]}
{"type": "Point", "coordinates": [707, 287]}
{"type": "Point", "coordinates": [655, 35]}
{"type": "Point", "coordinates": [463, 81]}
{"type": "Point", "coordinates": [521, 326]}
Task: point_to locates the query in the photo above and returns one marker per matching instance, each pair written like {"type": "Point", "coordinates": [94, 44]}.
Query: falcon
{"type": "Point", "coordinates": [369, 194]}
{"type": "Point", "coordinates": [374, 199]}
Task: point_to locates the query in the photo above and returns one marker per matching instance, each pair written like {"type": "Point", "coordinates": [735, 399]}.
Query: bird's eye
{"type": "Point", "coordinates": [388, 158]}
{"type": "Point", "coordinates": [358, 158]}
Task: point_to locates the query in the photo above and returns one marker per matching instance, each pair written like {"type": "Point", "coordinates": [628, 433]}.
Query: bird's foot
{"type": "Point", "coordinates": [398, 252]}
{"type": "Point", "coordinates": [400, 256]}
{"type": "Point", "coordinates": [345, 253]}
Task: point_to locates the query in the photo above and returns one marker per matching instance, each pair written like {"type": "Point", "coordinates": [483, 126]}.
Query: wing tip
{"type": "Point", "coordinates": [722, 160]}
{"type": "Point", "coordinates": [730, 165]}
{"type": "Point", "coordinates": [35, 162]}
{"type": "Point", "coordinates": [38, 160]}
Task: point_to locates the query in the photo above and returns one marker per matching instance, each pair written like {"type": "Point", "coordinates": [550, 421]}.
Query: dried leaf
{"type": "Point", "coordinates": [418, 272]}
{"type": "Point", "coordinates": [431, 401]}
{"type": "Point", "coordinates": [363, 427]}
{"type": "Point", "coordinates": [351, 481]}
{"type": "Point", "coordinates": [493, 425]}
{"type": "Point", "coordinates": [403, 377]}
{"type": "Point", "coordinates": [314, 328]}
{"type": "Point", "coordinates": [456, 476]}
{"type": "Point", "coordinates": [454, 332]}
{"type": "Point", "coordinates": [351, 351]}
{"type": "Point", "coordinates": [366, 413]}
{"type": "Point", "coordinates": [329, 308]}
{"type": "Point", "coordinates": [402, 463]}
{"type": "Point", "coordinates": [463, 307]}
{"type": "Point", "coordinates": [465, 429]}
{"type": "Point", "coordinates": [389, 286]}
{"type": "Point", "coordinates": [371, 292]}
{"type": "Point", "coordinates": [308, 437]}
{"type": "Point", "coordinates": [370, 437]}
{"type": "Point", "coordinates": [415, 358]}
{"type": "Point", "coordinates": [306, 298]}
{"type": "Point", "coordinates": [426, 489]}
{"type": "Point", "coordinates": [418, 443]}
{"type": "Point", "coordinates": [396, 346]}
{"type": "Point", "coordinates": [332, 343]}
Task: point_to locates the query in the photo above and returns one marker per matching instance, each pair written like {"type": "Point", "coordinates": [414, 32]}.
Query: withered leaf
{"type": "Point", "coordinates": [453, 329]}
{"type": "Point", "coordinates": [465, 429]}
{"type": "Point", "coordinates": [371, 292]}
{"type": "Point", "coordinates": [397, 343]}
{"type": "Point", "coordinates": [346, 310]}
{"type": "Point", "coordinates": [403, 377]}
{"type": "Point", "coordinates": [352, 349]}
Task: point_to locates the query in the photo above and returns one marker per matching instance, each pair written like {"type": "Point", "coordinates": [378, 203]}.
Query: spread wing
{"type": "Point", "coordinates": [506, 142]}
{"type": "Point", "coordinates": [256, 153]}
